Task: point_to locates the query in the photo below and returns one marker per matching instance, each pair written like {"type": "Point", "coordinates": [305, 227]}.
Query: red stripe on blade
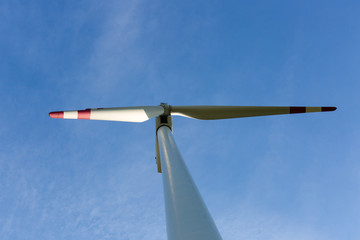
{"type": "Point", "coordinates": [56, 114]}
{"type": "Point", "coordinates": [328, 109]}
{"type": "Point", "coordinates": [297, 109]}
{"type": "Point", "coordinates": [84, 114]}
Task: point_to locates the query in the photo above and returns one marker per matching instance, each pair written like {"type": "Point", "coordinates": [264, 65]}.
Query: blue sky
{"type": "Point", "coordinates": [278, 177]}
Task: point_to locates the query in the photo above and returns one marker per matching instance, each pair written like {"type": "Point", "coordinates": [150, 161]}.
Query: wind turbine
{"type": "Point", "coordinates": [187, 217]}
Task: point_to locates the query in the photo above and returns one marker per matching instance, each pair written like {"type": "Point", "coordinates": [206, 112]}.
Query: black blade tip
{"type": "Point", "coordinates": [328, 109]}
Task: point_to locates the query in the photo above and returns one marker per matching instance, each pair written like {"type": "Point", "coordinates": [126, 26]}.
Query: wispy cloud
{"type": "Point", "coordinates": [247, 222]}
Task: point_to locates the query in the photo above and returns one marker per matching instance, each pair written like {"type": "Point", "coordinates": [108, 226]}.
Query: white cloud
{"type": "Point", "coordinates": [246, 222]}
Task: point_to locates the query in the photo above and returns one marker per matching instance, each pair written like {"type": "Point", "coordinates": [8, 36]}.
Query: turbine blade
{"type": "Point", "coordinates": [123, 114]}
{"type": "Point", "coordinates": [224, 112]}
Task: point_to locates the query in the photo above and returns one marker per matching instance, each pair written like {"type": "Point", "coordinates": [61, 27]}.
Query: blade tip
{"type": "Point", "coordinates": [56, 114]}
{"type": "Point", "coordinates": [328, 109]}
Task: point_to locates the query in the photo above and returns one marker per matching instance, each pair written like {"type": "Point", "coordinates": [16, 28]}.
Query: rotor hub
{"type": "Point", "coordinates": [167, 109]}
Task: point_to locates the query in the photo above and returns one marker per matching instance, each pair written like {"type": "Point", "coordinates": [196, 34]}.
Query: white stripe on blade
{"type": "Point", "coordinates": [71, 114]}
